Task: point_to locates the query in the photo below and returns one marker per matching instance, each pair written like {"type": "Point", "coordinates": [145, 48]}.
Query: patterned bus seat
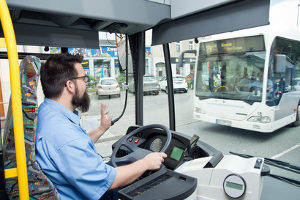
{"type": "Point", "coordinates": [40, 186]}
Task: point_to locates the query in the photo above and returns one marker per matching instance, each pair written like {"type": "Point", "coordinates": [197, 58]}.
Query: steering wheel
{"type": "Point", "coordinates": [222, 87]}
{"type": "Point", "coordinates": [137, 152]}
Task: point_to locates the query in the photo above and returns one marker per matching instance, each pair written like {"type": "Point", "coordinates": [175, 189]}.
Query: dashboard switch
{"type": "Point", "coordinates": [136, 141]}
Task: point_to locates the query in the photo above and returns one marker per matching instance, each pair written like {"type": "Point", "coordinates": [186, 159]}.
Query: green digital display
{"type": "Point", "coordinates": [234, 185]}
{"type": "Point", "coordinates": [234, 45]}
{"type": "Point", "coordinates": [176, 153]}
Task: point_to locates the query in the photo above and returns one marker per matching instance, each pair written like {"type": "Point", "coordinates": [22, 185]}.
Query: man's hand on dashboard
{"type": "Point", "coordinates": [153, 160]}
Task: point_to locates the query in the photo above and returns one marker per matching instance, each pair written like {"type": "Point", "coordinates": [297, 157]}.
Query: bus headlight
{"type": "Point", "coordinates": [265, 119]}
{"type": "Point", "coordinates": [260, 119]}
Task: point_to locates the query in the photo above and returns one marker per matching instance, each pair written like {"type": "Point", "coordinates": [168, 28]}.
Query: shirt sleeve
{"type": "Point", "coordinates": [84, 169]}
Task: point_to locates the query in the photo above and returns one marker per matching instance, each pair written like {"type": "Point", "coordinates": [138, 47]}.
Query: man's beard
{"type": "Point", "coordinates": [83, 103]}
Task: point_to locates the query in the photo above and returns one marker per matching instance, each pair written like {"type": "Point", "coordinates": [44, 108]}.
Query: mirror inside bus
{"type": "Point", "coordinates": [280, 63]}
{"type": "Point", "coordinates": [121, 49]}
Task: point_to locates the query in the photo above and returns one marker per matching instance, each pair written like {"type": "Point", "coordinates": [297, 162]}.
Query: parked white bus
{"type": "Point", "coordinates": [248, 79]}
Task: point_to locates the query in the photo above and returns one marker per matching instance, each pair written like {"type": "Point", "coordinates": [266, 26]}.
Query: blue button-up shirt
{"type": "Point", "coordinates": [67, 155]}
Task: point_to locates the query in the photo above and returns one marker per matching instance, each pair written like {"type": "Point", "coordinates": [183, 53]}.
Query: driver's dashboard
{"type": "Point", "coordinates": [140, 141]}
{"type": "Point", "coordinates": [154, 140]}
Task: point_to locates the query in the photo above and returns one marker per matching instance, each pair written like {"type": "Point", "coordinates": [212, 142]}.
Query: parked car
{"type": "Point", "coordinates": [108, 86]}
{"type": "Point", "coordinates": [179, 84]}
{"type": "Point", "coordinates": [297, 83]}
{"type": "Point", "coordinates": [150, 86]}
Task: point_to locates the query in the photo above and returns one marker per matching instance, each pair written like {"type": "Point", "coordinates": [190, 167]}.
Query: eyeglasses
{"type": "Point", "coordinates": [85, 78]}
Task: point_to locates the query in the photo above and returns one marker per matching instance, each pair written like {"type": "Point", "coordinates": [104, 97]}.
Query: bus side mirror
{"type": "Point", "coordinates": [280, 63]}
{"type": "Point", "coordinates": [121, 51]}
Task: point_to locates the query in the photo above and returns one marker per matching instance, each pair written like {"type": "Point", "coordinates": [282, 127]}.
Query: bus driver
{"type": "Point", "coordinates": [64, 151]}
{"type": "Point", "coordinates": [259, 84]}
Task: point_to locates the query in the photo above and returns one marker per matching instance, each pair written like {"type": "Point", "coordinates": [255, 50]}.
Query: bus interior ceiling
{"type": "Point", "coordinates": [77, 24]}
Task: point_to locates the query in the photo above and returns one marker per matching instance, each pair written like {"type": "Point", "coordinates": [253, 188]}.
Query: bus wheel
{"type": "Point", "coordinates": [297, 122]}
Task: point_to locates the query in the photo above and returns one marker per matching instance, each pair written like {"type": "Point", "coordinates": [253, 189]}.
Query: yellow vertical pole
{"type": "Point", "coordinates": [15, 85]}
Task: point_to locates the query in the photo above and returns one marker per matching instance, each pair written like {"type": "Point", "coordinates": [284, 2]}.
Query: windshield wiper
{"type": "Point", "coordinates": [279, 164]}
{"type": "Point", "coordinates": [285, 179]}
{"type": "Point", "coordinates": [275, 163]}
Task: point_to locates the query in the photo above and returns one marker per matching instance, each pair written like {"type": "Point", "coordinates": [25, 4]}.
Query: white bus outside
{"type": "Point", "coordinates": [248, 79]}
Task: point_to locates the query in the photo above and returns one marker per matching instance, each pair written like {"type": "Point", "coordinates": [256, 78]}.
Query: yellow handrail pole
{"type": "Point", "coordinates": [15, 85]}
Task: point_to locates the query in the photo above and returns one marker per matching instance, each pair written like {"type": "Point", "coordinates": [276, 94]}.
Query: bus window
{"type": "Point", "coordinates": [155, 101]}
{"type": "Point", "coordinates": [183, 72]}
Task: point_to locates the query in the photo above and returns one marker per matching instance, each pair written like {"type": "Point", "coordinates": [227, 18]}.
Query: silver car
{"type": "Point", "coordinates": [150, 85]}
{"type": "Point", "coordinates": [108, 86]}
{"type": "Point", "coordinates": [297, 83]}
{"type": "Point", "coordinates": [179, 84]}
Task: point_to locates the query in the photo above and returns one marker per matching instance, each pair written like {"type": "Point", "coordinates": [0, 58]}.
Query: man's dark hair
{"type": "Point", "coordinates": [56, 71]}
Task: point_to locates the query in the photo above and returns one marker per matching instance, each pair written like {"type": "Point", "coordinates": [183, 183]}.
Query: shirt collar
{"type": "Point", "coordinates": [73, 116]}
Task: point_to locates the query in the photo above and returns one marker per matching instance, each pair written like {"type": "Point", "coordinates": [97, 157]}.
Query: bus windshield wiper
{"type": "Point", "coordinates": [285, 179]}
{"type": "Point", "coordinates": [279, 164]}
{"type": "Point", "coordinates": [220, 96]}
{"type": "Point", "coordinates": [275, 163]}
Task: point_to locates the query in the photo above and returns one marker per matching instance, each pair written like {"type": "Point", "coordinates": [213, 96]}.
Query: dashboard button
{"type": "Point", "coordinates": [258, 163]}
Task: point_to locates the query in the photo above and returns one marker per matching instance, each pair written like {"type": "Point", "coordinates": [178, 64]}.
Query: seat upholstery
{"type": "Point", "coordinates": [40, 186]}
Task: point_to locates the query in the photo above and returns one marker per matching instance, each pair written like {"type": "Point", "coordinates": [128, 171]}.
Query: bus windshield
{"type": "Point", "coordinates": [231, 69]}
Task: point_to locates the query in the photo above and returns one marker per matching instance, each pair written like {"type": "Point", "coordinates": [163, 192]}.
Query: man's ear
{"type": "Point", "coordinates": [70, 86]}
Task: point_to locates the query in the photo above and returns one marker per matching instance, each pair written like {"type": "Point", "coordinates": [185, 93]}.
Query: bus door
{"type": "Point", "coordinates": [286, 97]}
{"type": "Point", "coordinates": [284, 69]}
